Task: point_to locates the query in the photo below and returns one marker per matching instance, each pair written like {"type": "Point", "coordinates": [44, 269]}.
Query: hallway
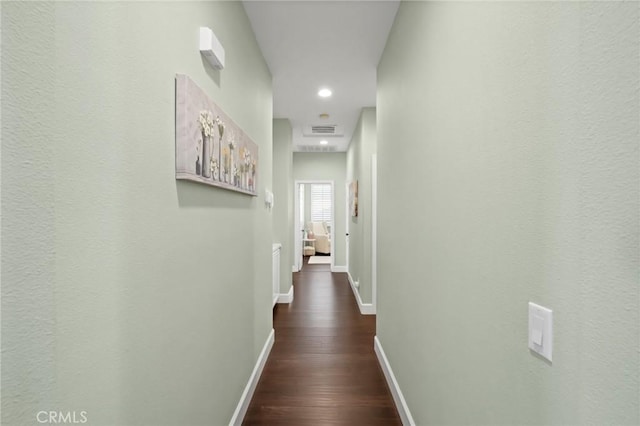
{"type": "Point", "coordinates": [322, 368]}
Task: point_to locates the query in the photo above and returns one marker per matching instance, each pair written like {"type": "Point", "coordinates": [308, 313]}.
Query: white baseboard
{"type": "Point", "coordinates": [337, 268]}
{"type": "Point", "coordinates": [365, 308]}
{"type": "Point", "coordinates": [294, 269]}
{"type": "Point", "coordinates": [398, 398]}
{"type": "Point", "coordinates": [245, 399]}
{"type": "Point", "coordinates": [286, 297]}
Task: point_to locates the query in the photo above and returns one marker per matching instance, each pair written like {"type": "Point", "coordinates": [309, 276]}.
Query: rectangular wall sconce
{"type": "Point", "coordinates": [211, 48]}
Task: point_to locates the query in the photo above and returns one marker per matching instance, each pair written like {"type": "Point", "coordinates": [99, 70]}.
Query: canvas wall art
{"type": "Point", "coordinates": [353, 198]}
{"type": "Point", "coordinates": [210, 147]}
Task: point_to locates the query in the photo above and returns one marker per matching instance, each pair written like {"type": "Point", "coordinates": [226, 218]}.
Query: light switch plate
{"type": "Point", "coordinates": [541, 330]}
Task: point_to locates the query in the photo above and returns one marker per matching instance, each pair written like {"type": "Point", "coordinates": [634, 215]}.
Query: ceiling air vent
{"type": "Point", "coordinates": [323, 130]}
{"type": "Point", "coordinates": [316, 148]}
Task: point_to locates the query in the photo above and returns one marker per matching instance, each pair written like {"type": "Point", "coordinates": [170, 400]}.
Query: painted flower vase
{"type": "Point", "coordinates": [206, 155]}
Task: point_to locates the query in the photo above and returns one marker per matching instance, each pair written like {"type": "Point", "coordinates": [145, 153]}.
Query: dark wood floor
{"type": "Point", "coordinates": [322, 369]}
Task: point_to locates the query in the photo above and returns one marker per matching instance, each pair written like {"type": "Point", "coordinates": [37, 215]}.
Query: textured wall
{"type": "Point", "coordinates": [508, 172]}
{"type": "Point", "coordinates": [28, 215]}
{"type": "Point", "coordinates": [125, 293]}
{"type": "Point", "coordinates": [361, 148]}
{"type": "Point", "coordinates": [327, 166]}
{"type": "Point", "coordinates": [283, 197]}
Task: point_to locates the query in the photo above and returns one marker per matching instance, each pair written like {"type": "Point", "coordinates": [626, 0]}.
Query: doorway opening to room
{"type": "Point", "coordinates": [314, 228]}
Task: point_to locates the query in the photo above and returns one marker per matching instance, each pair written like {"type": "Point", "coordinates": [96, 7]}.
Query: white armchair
{"type": "Point", "coordinates": [323, 238]}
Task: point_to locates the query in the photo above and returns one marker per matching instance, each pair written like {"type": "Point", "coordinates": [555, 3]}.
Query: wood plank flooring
{"type": "Point", "coordinates": [322, 369]}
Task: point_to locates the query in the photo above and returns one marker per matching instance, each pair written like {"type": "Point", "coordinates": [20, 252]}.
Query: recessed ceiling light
{"type": "Point", "coordinates": [324, 116]}
{"type": "Point", "coordinates": [324, 93]}
{"type": "Point", "coordinates": [323, 142]}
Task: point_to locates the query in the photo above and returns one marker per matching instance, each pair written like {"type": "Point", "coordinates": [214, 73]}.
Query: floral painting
{"type": "Point", "coordinates": [210, 147]}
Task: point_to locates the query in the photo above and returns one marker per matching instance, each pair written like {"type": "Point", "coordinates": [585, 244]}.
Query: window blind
{"type": "Point", "coordinates": [321, 199]}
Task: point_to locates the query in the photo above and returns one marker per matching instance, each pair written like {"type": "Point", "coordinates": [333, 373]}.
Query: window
{"type": "Point", "coordinates": [321, 208]}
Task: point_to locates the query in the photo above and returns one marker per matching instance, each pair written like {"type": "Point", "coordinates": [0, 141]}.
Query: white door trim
{"type": "Point", "coordinates": [297, 235]}
{"type": "Point", "coordinates": [346, 226]}
{"type": "Point", "coordinates": [374, 232]}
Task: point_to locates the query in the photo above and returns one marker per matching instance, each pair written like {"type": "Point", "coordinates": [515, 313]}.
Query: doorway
{"type": "Point", "coordinates": [314, 224]}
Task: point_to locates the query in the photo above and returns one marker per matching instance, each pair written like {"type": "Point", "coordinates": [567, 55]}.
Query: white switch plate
{"type": "Point", "coordinates": [541, 330]}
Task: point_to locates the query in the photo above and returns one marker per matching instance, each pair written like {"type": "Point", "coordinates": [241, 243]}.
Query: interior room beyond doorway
{"type": "Point", "coordinates": [314, 223]}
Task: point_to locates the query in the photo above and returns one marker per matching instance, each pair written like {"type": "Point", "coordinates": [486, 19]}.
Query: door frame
{"type": "Point", "coordinates": [347, 219]}
{"type": "Point", "coordinates": [374, 232]}
{"type": "Point", "coordinates": [298, 227]}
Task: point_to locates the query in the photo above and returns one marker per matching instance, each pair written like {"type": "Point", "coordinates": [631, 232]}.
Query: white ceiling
{"type": "Point", "coordinates": [314, 44]}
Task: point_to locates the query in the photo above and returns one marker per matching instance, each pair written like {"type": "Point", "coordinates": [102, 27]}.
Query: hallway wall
{"type": "Point", "coordinates": [283, 198]}
{"type": "Point", "coordinates": [508, 146]}
{"type": "Point", "coordinates": [361, 148]}
{"type": "Point", "coordinates": [126, 294]}
{"type": "Point", "coordinates": [327, 166]}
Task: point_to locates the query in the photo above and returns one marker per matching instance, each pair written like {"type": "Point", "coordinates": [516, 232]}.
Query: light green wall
{"type": "Point", "coordinates": [327, 166]}
{"type": "Point", "coordinates": [508, 172]}
{"type": "Point", "coordinates": [125, 293]}
{"type": "Point", "coordinates": [283, 198]}
{"type": "Point", "coordinates": [359, 155]}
